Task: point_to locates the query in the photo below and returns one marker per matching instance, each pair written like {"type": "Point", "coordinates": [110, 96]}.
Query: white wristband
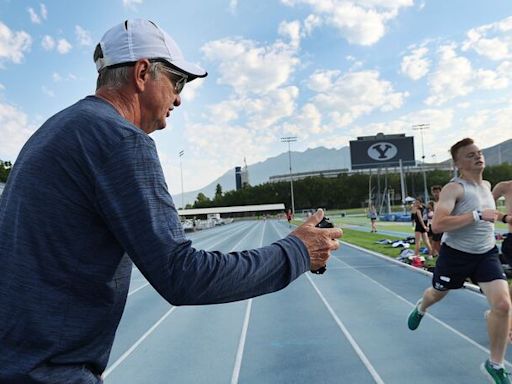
{"type": "Point", "coordinates": [476, 216]}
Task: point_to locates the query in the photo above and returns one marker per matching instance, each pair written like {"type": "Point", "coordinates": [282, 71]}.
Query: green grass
{"type": "Point", "coordinates": [368, 241]}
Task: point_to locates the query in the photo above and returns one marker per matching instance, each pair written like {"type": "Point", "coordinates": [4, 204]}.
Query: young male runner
{"type": "Point", "coordinates": [465, 213]}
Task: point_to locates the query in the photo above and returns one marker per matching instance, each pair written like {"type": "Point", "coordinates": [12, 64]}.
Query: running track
{"type": "Point", "coordinates": [346, 326]}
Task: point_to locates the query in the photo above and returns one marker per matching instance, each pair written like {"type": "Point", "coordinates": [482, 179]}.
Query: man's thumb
{"type": "Point", "coordinates": [316, 217]}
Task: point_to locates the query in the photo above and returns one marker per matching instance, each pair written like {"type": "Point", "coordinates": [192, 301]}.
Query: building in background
{"type": "Point", "coordinates": [242, 176]}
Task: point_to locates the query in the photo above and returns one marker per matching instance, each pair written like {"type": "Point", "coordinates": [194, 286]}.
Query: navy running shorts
{"type": "Point", "coordinates": [453, 267]}
{"type": "Point", "coordinates": [506, 249]}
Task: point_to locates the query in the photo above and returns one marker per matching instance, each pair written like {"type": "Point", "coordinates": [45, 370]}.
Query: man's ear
{"type": "Point", "coordinates": [141, 74]}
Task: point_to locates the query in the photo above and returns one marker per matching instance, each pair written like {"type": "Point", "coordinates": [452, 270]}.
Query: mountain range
{"type": "Point", "coordinates": [314, 159]}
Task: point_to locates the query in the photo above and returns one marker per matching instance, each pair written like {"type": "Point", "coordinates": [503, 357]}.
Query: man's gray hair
{"type": "Point", "coordinates": [115, 78]}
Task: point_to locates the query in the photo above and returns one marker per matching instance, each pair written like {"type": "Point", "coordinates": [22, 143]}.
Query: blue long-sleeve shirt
{"type": "Point", "coordinates": [87, 190]}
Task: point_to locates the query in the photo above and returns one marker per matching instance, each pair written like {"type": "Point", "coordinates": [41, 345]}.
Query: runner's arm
{"type": "Point", "coordinates": [443, 221]}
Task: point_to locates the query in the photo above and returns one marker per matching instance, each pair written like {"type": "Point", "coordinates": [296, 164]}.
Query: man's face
{"type": "Point", "coordinates": [160, 99]}
{"type": "Point", "coordinates": [435, 193]}
{"type": "Point", "coordinates": [470, 158]}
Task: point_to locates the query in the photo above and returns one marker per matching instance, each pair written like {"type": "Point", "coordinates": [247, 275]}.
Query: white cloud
{"type": "Point", "coordinates": [250, 68]}
{"type": "Point", "coordinates": [48, 43]}
{"type": "Point", "coordinates": [63, 46]}
{"type": "Point", "coordinates": [291, 30]}
{"type": "Point", "coordinates": [83, 36]}
{"type": "Point", "coordinates": [455, 76]}
{"type": "Point", "coordinates": [360, 22]}
{"type": "Point", "coordinates": [34, 17]}
{"type": "Point", "coordinates": [483, 125]}
{"type": "Point", "coordinates": [44, 11]}
{"type": "Point", "coordinates": [190, 91]}
{"type": "Point", "coordinates": [132, 4]}
{"type": "Point", "coordinates": [13, 45]}
{"type": "Point", "coordinates": [493, 41]}
{"type": "Point", "coordinates": [233, 4]}
{"type": "Point", "coordinates": [47, 91]}
{"type": "Point", "coordinates": [15, 126]}
{"type": "Point", "coordinates": [346, 97]}
{"type": "Point", "coordinates": [57, 77]}
{"type": "Point", "coordinates": [416, 65]}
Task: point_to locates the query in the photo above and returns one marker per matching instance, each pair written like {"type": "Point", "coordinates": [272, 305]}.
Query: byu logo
{"type": "Point", "coordinates": [382, 151]}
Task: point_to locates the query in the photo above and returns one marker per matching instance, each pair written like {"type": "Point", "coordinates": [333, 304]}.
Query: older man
{"type": "Point", "coordinates": [87, 197]}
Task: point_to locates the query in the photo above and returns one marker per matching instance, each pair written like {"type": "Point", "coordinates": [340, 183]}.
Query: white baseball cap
{"type": "Point", "coordinates": [142, 39]}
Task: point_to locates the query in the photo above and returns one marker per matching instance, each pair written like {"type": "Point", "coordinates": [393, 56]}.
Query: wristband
{"type": "Point", "coordinates": [504, 218]}
{"type": "Point", "coordinates": [477, 216]}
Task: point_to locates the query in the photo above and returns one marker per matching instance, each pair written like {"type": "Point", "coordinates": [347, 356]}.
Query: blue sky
{"type": "Point", "coordinates": [325, 71]}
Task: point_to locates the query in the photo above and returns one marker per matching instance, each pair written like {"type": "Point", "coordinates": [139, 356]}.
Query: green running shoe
{"type": "Point", "coordinates": [415, 317]}
{"type": "Point", "coordinates": [497, 376]}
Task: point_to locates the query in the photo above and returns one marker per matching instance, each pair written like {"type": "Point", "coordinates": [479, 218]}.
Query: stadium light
{"type": "Point", "coordinates": [290, 139]}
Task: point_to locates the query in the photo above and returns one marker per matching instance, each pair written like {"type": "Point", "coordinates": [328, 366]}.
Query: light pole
{"type": "Point", "coordinates": [180, 154]}
{"type": "Point", "coordinates": [421, 128]}
{"type": "Point", "coordinates": [290, 139]}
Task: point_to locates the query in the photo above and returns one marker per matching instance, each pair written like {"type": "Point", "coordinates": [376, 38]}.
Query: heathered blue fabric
{"type": "Point", "coordinates": [86, 191]}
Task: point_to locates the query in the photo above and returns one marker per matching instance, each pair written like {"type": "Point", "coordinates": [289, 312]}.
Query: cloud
{"type": "Point", "coordinates": [190, 91]}
{"type": "Point", "coordinates": [233, 4]}
{"type": "Point", "coordinates": [13, 45]}
{"type": "Point", "coordinates": [132, 4]}
{"type": "Point", "coordinates": [48, 43]}
{"type": "Point", "coordinates": [455, 76]}
{"type": "Point", "coordinates": [361, 22]}
{"type": "Point", "coordinates": [34, 17]}
{"type": "Point", "coordinates": [83, 36]}
{"type": "Point", "coordinates": [15, 126]}
{"type": "Point", "coordinates": [63, 46]}
{"type": "Point", "coordinates": [47, 91]}
{"type": "Point", "coordinates": [346, 97]}
{"type": "Point", "coordinates": [416, 65]}
{"type": "Point", "coordinates": [248, 67]}
{"type": "Point", "coordinates": [493, 41]}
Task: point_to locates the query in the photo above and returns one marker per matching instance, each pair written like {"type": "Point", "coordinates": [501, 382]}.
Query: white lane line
{"type": "Point", "coordinates": [134, 346]}
{"type": "Point", "coordinates": [241, 344]}
{"type": "Point", "coordinates": [373, 372]}
{"type": "Point", "coordinates": [376, 377]}
{"type": "Point", "coordinates": [137, 289]}
{"type": "Point", "coordinates": [458, 333]}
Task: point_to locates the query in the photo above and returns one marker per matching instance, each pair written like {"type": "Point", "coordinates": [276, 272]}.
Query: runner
{"type": "Point", "coordinates": [436, 237]}
{"type": "Point", "coordinates": [372, 214]}
{"type": "Point", "coordinates": [505, 189]}
{"type": "Point", "coordinates": [465, 213]}
{"type": "Point", "coordinates": [420, 228]}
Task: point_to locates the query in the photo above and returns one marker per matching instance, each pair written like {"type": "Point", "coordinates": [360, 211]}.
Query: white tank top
{"type": "Point", "coordinates": [477, 237]}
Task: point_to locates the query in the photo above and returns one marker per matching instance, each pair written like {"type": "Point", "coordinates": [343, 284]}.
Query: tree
{"type": "Point", "coordinates": [218, 192]}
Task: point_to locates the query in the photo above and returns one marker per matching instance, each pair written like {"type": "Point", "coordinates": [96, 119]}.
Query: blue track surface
{"type": "Point", "coordinates": [346, 326]}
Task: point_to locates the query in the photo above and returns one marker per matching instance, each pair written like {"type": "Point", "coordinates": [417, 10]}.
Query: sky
{"type": "Point", "coordinates": [325, 71]}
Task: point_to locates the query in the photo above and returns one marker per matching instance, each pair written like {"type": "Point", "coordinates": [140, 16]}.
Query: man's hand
{"type": "Point", "coordinates": [489, 215]}
{"type": "Point", "coordinates": [318, 241]}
